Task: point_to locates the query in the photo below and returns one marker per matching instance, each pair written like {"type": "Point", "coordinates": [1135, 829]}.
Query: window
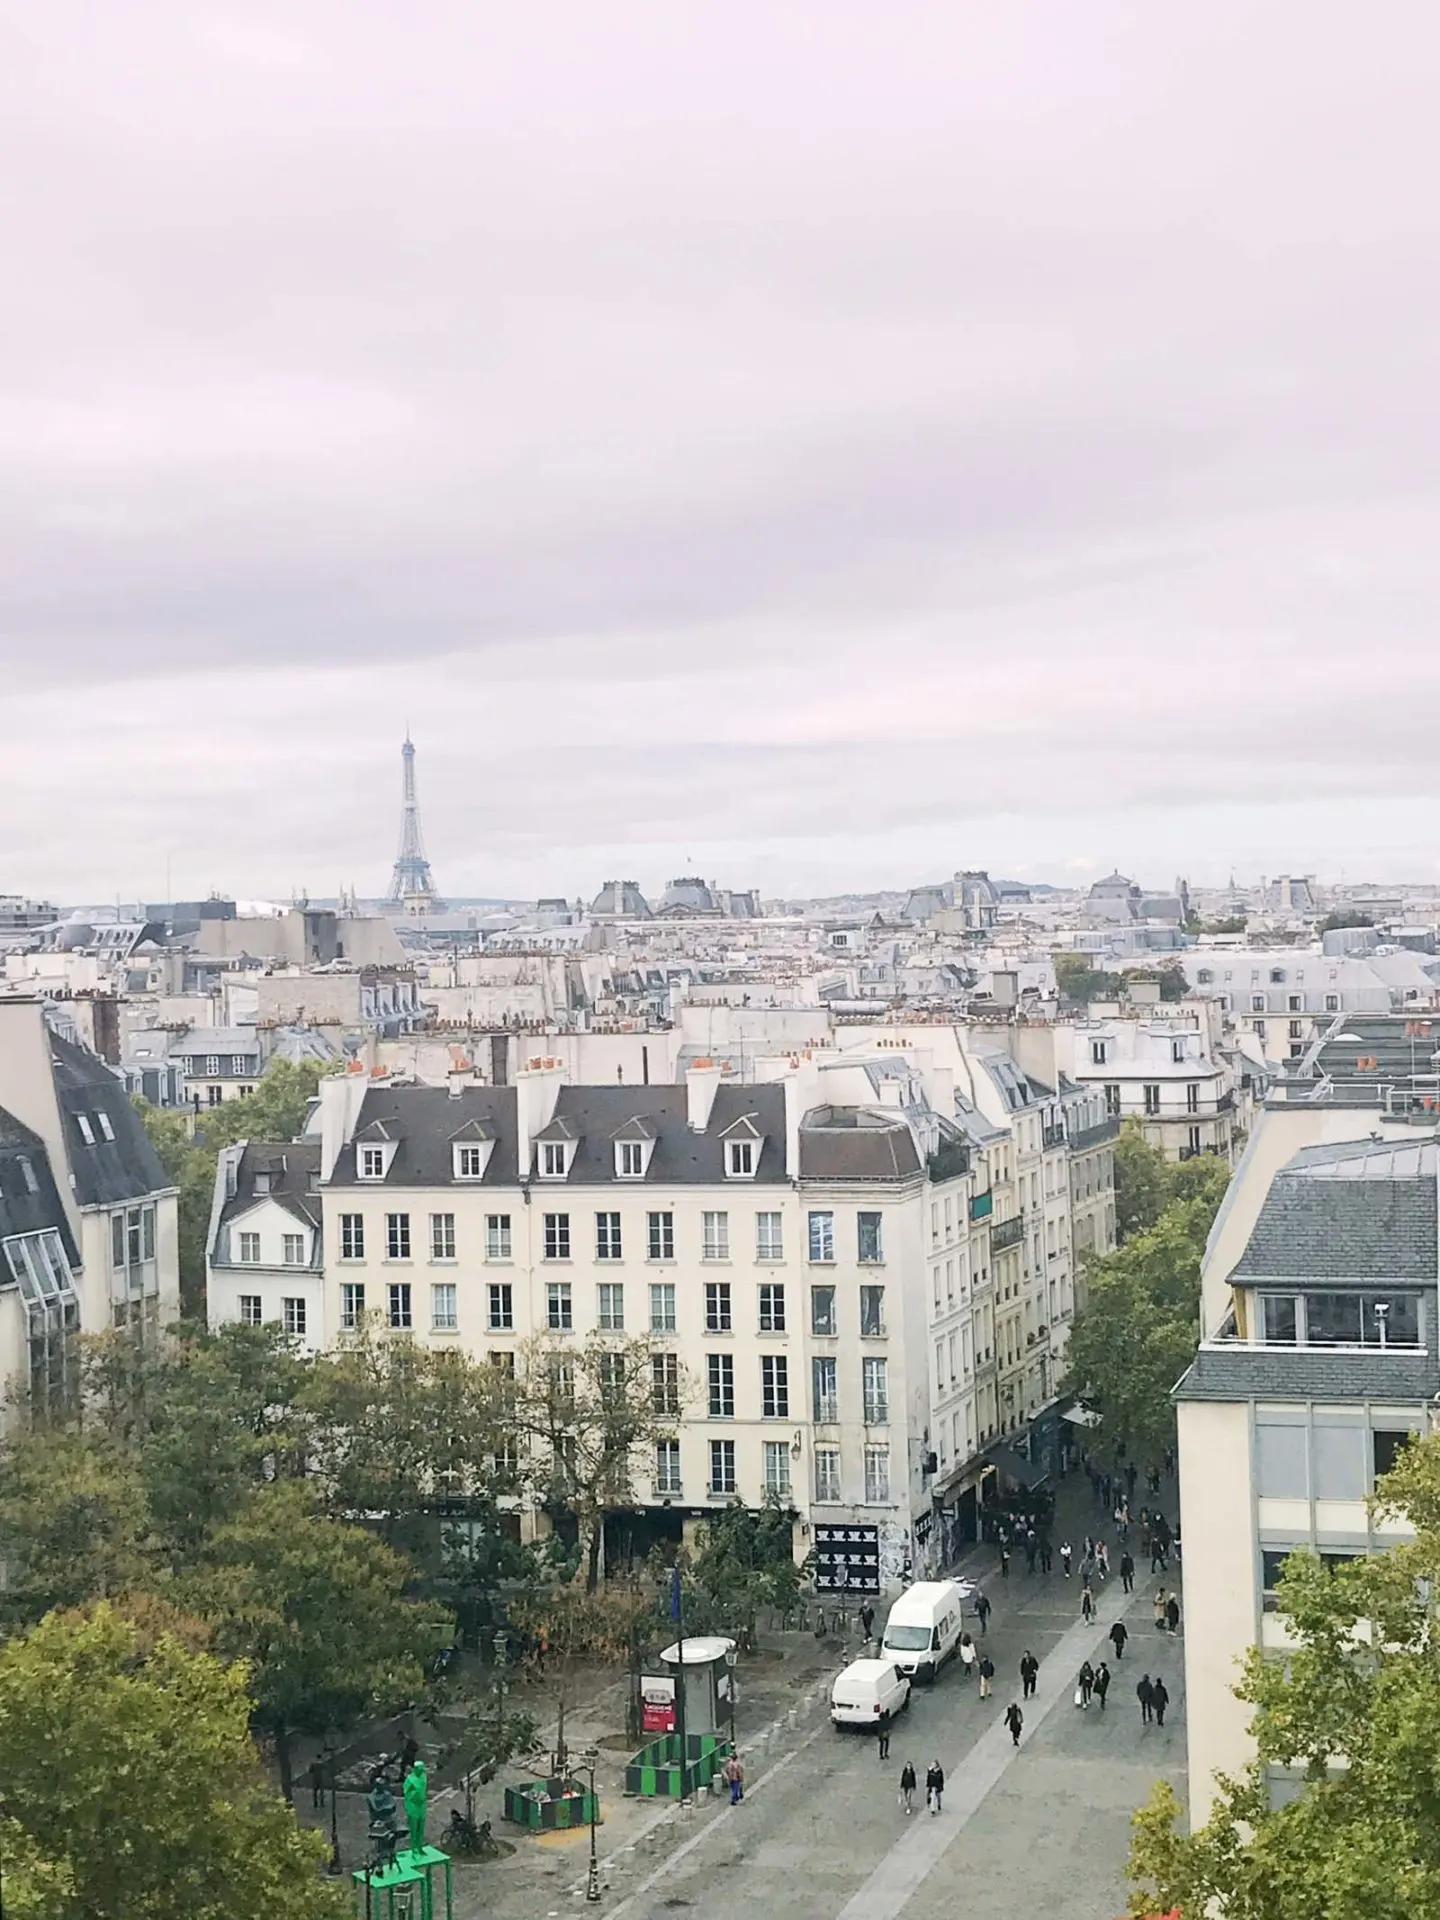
{"type": "Point", "coordinates": [631, 1162]}
{"type": "Point", "coordinates": [720, 1380]}
{"type": "Point", "coordinates": [397, 1236]}
{"type": "Point", "coordinates": [662, 1307]}
{"type": "Point", "coordinates": [107, 1132]}
{"type": "Point", "coordinates": [400, 1316]}
{"type": "Point", "coordinates": [442, 1306]}
{"type": "Point", "coordinates": [1332, 1003]}
{"type": "Point", "coordinates": [1257, 1003]}
{"type": "Point", "coordinates": [1204, 977]}
{"type": "Point", "coordinates": [607, 1236]}
{"type": "Point", "coordinates": [768, 1241]}
{"type": "Point", "coordinates": [872, 1311]}
{"type": "Point", "coordinates": [1177, 1052]}
{"type": "Point", "coordinates": [502, 1306]}
{"type": "Point", "coordinates": [667, 1466]}
{"type": "Point", "coordinates": [469, 1163]}
{"type": "Point", "coordinates": [777, 1469]}
{"type": "Point", "coordinates": [552, 1159]}
{"type": "Point", "coordinates": [352, 1236]}
{"type": "Point", "coordinates": [1338, 1460]}
{"type": "Point", "coordinates": [1386, 1448]}
{"type": "Point", "coordinates": [661, 1235]}
{"type": "Point", "coordinates": [372, 1163]}
{"type": "Point", "coordinates": [715, 1236]}
{"type": "Point", "coordinates": [1112, 1098]}
{"type": "Point", "coordinates": [1192, 1097]}
{"type": "Point", "coordinates": [877, 1396]}
{"type": "Point", "coordinates": [822, 1236]}
{"type": "Point", "coordinates": [502, 1359]}
{"type": "Point", "coordinates": [610, 1308]}
{"type": "Point", "coordinates": [877, 1475]}
{"type": "Point", "coordinates": [822, 1310]}
{"type": "Point", "coordinates": [827, 1473]}
{"type": "Point", "coordinates": [740, 1163]}
{"type": "Point", "coordinates": [497, 1236]}
{"type": "Point", "coordinates": [717, 1306]}
{"type": "Point", "coordinates": [665, 1385]}
{"type": "Point", "coordinates": [292, 1314]}
{"type": "Point", "coordinates": [352, 1304]}
{"type": "Point", "coordinates": [1099, 1052]}
{"type": "Point", "coordinates": [1277, 976]}
{"type": "Point", "coordinates": [442, 1236]}
{"type": "Point", "coordinates": [1295, 1003]}
{"type": "Point", "coordinates": [774, 1386]}
{"type": "Point", "coordinates": [557, 1236]}
{"type": "Point", "coordinates": [1280, 1463]}
{"type": "Point", "coordinates": [117, 1239]}
{"type": "Point", "coordinates": [214, 1095]}
{"type": "Point", "coordinates": [249, 1254]}
{"type": "Point", "coordinates": [559, 1313]}
{"type": "Point", "coordinates": [1192, 1140]}
{"type": "Point", "coordinates": [293, 1249]}
{"type": "Point", "coordinates": [249, 1306]}
{"type": "Point", "coordinates": [1152, 1097]}
{"type": "Point", "coordinates": [1277, 1318]}
{"type": "Point", "coordinates": [212, 1064]}
{"type": "Point", "coordinates": [824, 1389]}
{"type": "Point", "coordinates": [722, 1466]}
{"type": "Point", "coordinates": [87, 1132]}
{"type": "Point", "coordinates": [772, 1309]}
{"type": "Point", "coordinates": [870, 1247]}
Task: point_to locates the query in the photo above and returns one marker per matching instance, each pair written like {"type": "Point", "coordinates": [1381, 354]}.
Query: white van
{"type": "Point", "coordinates": [869, 1693]}
{"type": "Point", "coordinates": [923, 1629]}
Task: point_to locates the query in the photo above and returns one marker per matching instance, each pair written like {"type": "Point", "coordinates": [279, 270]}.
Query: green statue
{"type": "Point", "coordinates": [380, 1806]}
{"type": "Point", "coordinates": [417, 1792]}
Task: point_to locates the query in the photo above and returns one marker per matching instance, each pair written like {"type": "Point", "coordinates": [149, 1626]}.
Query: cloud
{"type": "Point", "coordinates": [850, 441]}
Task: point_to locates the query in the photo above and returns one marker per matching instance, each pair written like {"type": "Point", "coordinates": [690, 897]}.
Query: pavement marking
{"type": "Point", "coordinates": [673, 1859]}
{"type": "Point", "coordinates": [969, 1783]}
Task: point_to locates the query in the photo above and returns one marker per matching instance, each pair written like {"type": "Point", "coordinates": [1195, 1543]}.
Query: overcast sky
{"type": "Point", "coordinates": [821, 444]}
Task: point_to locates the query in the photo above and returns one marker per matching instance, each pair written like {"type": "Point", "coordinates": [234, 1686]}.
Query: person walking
{"type": "Point", "coordinates": [867, 1622]}
{"type": "Point", "coordinates": [1004, 1563]}
{"type": "Point", "coordinates": [884, 1732]}
{"type": "Point", "coordinates": [1102, 1560]}
{"type": "Point", "coordinates": [1029, 1669]}
{"type": "Point", "coordinates": [1047, 1554]}
{"type": "Point", "coordinates": [1085, 1685]}
{"type": "Point", "coordinates": [982, 1610]}
{"type": "Point", "coordinates": [967, 1656]}
{"type": "Point", "coordinates": [1159, 1700]}
{"type": "Point", "coordinates": [1102, 1684]}
{"type": "Point", "coordinates": [987, 1674]}
{"type": "Point", "coordinates": [1119, 1634]}
{"type": "Point", "coordinates": [317, 1782]}
{"type": "Point", "coordinates": [907, 1788]}
{"type": "Point", "coordinates": [934, 1785]}
{"type": "Point", "coordinates": [1065, 1558]}
{"type": "Point", "coordinates": [1172, 1616]}
{"type": "Point", "coordinates": [1160, 1599]}
{"type": "Point", "coordinates": [1145, 1694]}
{"type": "Point", "coordinates": [734, 1772]}
{"type": "Point", "coordinates": [1087, 1604]}
{"type": "Point", "coordinates": [1015, 1721]}
{"type": "Point", "coordinates": [1127, 1571]}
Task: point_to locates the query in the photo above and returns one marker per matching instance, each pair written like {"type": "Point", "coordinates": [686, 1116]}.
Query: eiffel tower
{"type": "Point", "coordinates": [411, 884]}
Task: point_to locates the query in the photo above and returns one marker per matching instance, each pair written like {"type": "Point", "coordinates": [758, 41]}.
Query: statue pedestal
{"type": "Point", "coordinates": [385, 1883]}
{"type": "Point", "coordinates": [424, 1861]}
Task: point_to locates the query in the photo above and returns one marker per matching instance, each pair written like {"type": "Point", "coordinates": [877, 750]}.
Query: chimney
{"type": "Point", "coordinates": [537, 1088]}
{"type": "Point", "coordinates": [1004, 987]}
{"type": "Point", "coordinates": [701, 1080]}
{"type": "Point", "coordinates": [794, 1107]}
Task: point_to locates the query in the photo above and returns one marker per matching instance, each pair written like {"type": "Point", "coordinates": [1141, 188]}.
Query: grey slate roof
{"type": "Point", "coordinates": [1353, 1211]}
{"type": "Point", "coordinates": [21, 1210]}
{"type": "Point", "coordinates": [110, 1171]}
{"type": "Point", "coordinates": [424, 1121]}
{"type": "Point", "coordinates": [1278, 1373]}
{"type": "Point", "coordinates": [834, 1147]}
{"type": "Point", "coordinates": [290, 1168]}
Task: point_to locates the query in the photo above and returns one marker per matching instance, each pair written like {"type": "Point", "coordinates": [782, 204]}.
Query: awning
{"type": "Point", "coordinates": [1083, 1416]}
{"type": "Point", "coordinates": [1014, 1465]}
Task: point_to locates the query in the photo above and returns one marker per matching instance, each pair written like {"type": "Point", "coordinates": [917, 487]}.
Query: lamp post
{"type": "Point", "coordinates": [732, 1660]}
{"type": "Point", "coordinates": [334, 1868]}
{"type": "Point", "coordinates": [502, 1649]}
{"type": "Point", "coordinates": [588, 1760]}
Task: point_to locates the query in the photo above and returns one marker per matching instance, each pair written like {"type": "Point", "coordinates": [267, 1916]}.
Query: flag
{"type": "Point", "coordinates": [675, 1593]}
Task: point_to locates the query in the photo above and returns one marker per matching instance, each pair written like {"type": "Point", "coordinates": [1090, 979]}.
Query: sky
{"type": "Point", "coordinates": [817, 445]}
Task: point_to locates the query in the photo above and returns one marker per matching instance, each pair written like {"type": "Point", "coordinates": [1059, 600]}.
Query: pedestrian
{"type": "Point", "coordinates": [934, 1785]}
{"type": "Point", "coordinates": [1047, 1555]}
{"type": "Point", "coordinates": [884, 1732]}
{"type": "Point", "coordinates": [1102, 1684]}
{"type": "Point", "coordinates": [1085, 1685]}
{"type": "Point", "coordinates": [1160, 1598]}
{"type": "Point", "coordinates": [1145, 1694]}
{"type": "Point", "coordinates": [1127, 1571]}
{"type": "Point", "coordinates": [1014, 1720]}
{"type": "Point", "coordinates": [1130, 1477]}
{"type": "Point", "coordinates": [1004, 1563]}
{"type": "Point", "coordinates": [987, 1674]}
{"type": "Point", "coordinates": [1119, 1634]}
{"type": "Point", "coordinates": [1029, 1668]}
{"type": "Point", "coordinates": [408, 1755]}
{"type": "Point", "coordinates": [867, 1621]}
{"type": "Point", "coordinates": [317, 1783]}
{"type": "Point", "coordinates": [1159, 1699]}
{"type": "Point", "coordinates": [1031, 1549]}
{"type": "Point", "coordinates": [1172, 1615]}
{"type": "Point", "coordinates": [967, 1656]}
{"type": "Point", "coordinates": [907, 1788]}
{"type": "Point", "coordinates": [1087, 1571]}
{"type": "Point", "coordinates": [1102, 1560]}
{"type": "Point", "coordinates": [1065, 1558]}
{"type": "Point", "coordinates": [982, 1610]}
{"type": "Point", "coordinates": [1087, 1605]}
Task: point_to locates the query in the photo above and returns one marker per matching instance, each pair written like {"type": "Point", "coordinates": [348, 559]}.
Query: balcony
{"type": "Point", "coordinates": [668, 1490]}
{"type": "Point", "coordinates": [982, 1205]}
{"type": "Point", "coordinates": [1007, 1233]}
{"type": "Point", "coordinates": [1097, 1136]}
{"type": "Point", "coordinates": [1053, 1137]}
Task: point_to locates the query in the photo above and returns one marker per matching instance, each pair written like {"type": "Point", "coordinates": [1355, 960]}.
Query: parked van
{"type": "Point", "coordinates": [869, 1693]}
{"type": "Point", "coordinates": [923, 1629]}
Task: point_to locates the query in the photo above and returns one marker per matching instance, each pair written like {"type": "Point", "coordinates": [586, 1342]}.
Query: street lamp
{"type": "Point", "coordinates": [588, 1760]}
{"type": "Point", "coordinates": [334, 1869]}
{"type": "Point", "coordinates": [732, 1660]}
{"type": "Point", "coordinates": [502, 1649]}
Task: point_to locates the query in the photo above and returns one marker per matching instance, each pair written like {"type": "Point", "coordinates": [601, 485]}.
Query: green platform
{"type": "Point", "coordinates": [656, 1772]}
{"type": "Point", "coordinates": [409, 1870]}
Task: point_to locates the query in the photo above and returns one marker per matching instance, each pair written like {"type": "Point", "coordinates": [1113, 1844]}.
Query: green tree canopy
{"type": "Point", "coordinates": [1142, 1181]}
{"type": "Point", "coordinates": [1353, 1711]}
{"type": "Point", "coordinates": [131, 1788]}
{"type": "Point", "coordinates": [74, 1523]}
{"type": "Point", "coordinates": [745, 1561]}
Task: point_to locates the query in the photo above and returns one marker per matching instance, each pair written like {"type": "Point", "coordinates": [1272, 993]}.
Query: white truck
{"type": "Point", "coordinates": [923, 1630]}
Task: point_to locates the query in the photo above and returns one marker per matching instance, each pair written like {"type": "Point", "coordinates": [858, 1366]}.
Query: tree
{"type": "Point", "coordinates": [276, 1110]}
{"type": "Point", "coordinates": [746, 1561]}
{"type": "Point", "coordinates": [132, 1788]}
{"type": "Point", "coordinates": [1352, 1710]}
{"type": "Point", "coordinates": [587, 1408]}
{"type": "Point", "coordinates": [1079, 982]}
{"type": "Point", "coordinates": [318, 1610]}
{"type": "Point", "coordinates": [1142, 1181]}
{"type": "Point", "coordinates": [73, 1522]}
{"type": "Point", "coordinates": [1344, 917]}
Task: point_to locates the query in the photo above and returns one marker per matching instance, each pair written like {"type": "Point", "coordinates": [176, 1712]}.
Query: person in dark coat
{"type": "Point", "coordinates": [987, 1674]}
{"type": "Point", "coordinates": [1029, 1668]}
{"type": "Point", "coordinates": [934, 1785]}
{"type": "Point", "coordinates": [1102, 1684]}
{"type": "Point", "coordinates": [1172, 1615]}
{"type": "Point", "coordinates": [1015, 1721]}
{"type": "Point", "coordinates": [907, 1787]}
{"type": "Point", "coordinates": [982, 1611]}
{"type": "Point", "coordinates": [1159, 1699]}
{"type": "Point", "coordinates": [1086, 1683]}
{"type": "Point", "coordinates": [883, 1730]}
{"type": "Point", "coordinates": [1127, 1571]}
{"type": "Point", "coordinates": [1119, 1634]}
{"type": "Point", "coordinates": [1145, 1694]}
{"type": "Point", "coordinates": [317, 1783]}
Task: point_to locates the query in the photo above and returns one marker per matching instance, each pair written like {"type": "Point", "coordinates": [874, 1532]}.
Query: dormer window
{"type": "Point", "coordinates": [554, 1155]}
{"type": "Point", "coordinates": [370, 1163]}
{"type": "Point", "coordinates": [1099, 1052]}
{"type": "Point", "coordinates": [742, 1159]}
{"type": "Point", "coordinates": [630, 1159]}
{"type": "Point", "coordinates": [262, 1180]}
{"type": "Point", "coordinates": [469, 1162]}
